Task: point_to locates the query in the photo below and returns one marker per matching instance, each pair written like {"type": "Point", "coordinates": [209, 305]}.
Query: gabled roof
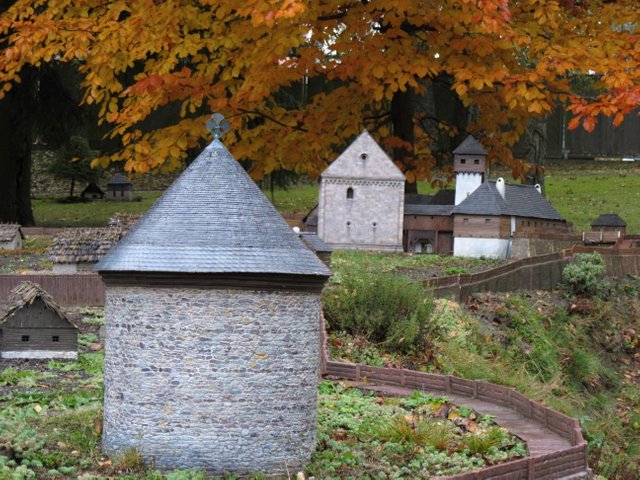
{"type": "Point", "coordinates": [520, 200]}
{"type": "Point", "coordinates": [8, 231]}
{"type": "Point", "coordinates": [470, 146]}
{"type": "Point", "coordinates": [364, 159]}
{"type": "Point", "coordinates": [315, 243]}
{"type": "Point", "coordinates": [24, 294]}
{"type": "Point", "coordinates": [76, 245]}
{"type": "Point", "coordinates": [92, 188]}
{"type": "Point", "coordinates": [608, 220]}
{"type": "Point", "coordinates": [118, 179]}
{"type": "Point", "coordinates": [213, 219]}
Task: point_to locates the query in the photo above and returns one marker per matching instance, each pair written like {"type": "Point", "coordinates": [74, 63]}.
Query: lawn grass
{"type": "Point", "coordinates": [579, 190]}
{"type": "Point", "coordinates": [49, 212]}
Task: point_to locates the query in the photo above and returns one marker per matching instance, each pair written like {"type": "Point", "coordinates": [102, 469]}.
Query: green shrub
{"type": "Point", "coordinates": [582, 276]}
{"type": "Point", "coordinates": [384, 308]}
{"type": "Point", "coordinates": [455, 271]}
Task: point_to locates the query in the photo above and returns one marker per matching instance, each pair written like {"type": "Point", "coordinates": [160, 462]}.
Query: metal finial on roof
{"type": "Point", "coordinates": [217, 125]}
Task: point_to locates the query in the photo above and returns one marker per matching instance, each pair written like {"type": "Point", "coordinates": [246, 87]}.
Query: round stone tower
{"type": "Point", "coordinates": [212, 320]}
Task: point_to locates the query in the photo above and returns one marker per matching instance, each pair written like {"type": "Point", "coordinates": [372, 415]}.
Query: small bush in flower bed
{"type": "Point", "coordinates": [364, 436]}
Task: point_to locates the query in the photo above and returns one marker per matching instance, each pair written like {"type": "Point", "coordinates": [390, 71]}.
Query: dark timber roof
{"type": "Point", "coordinates": [414, 209]}
{"type": "Point", "coordinates": [417, 199]}
{"type": "Point", "coordinates": [470, 146]}
{"type": "Point", "coordinates": [608, 220]}
{"type": "Point", "coordinates": [520, 201]}
{"type": "Point", "coordinates": [213, 219]}
{"type": "Point", "coordinates": [119, 179]}
{"type": "Point", "coordinates": [446, 196]}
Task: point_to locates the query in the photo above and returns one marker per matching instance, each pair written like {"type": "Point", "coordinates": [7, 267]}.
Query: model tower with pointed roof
{"type": "Point", "coordinates": [469, 165]}
{"type": "Point", "coordinates": [361, 200]}
{"type": "Point", "coordinates": [212, 320]}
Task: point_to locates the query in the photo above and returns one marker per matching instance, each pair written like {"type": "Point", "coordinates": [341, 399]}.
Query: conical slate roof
{"type": "Point", "coordinates": [213, 219]}
{"type": "Point", "coordinates": [470, 146]}
{"type": "Point", "coordinates": [364, 159]}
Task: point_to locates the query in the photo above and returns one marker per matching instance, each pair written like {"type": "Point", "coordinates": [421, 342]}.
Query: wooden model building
{"type": "Point", "coordinates": [33, 326]}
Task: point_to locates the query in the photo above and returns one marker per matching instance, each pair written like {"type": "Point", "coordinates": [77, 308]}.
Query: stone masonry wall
{"type": "Point", "coordinates": [215, 379]}
{"type": "Point", "coordinates": [371, 220]}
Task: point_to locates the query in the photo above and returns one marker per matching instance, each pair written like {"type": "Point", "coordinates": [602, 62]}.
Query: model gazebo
{"type": "Point", "coordinates": [212, 321]}
{"type": "Point", "coordinates": [119, 188]}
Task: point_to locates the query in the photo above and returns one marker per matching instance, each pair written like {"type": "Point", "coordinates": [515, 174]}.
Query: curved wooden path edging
{"type": "Point", "coordinates": [555, 445]}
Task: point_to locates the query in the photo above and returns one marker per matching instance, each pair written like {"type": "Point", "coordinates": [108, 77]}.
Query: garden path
{"type": "Point", "coordinates": [540, 440]}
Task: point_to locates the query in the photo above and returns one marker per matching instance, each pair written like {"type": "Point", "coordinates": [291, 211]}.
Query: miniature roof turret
{"type": "Point", "coordinates": [470, 146]}
{"type": "Point", "coordinates": [364, 159]}
{"type": "Point", "coordinates": [213, 220]}
{"type": "Point", "coordinates": [26, 293]}
{"type": "Point", "coordinates": [609, 220]}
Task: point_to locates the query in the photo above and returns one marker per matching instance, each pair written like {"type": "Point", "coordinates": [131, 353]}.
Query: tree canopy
{"type": "Point", "coordinates": [260, 62]}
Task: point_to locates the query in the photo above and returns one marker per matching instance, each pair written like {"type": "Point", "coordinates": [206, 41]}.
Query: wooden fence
{"type": "Point", "coordinates": [72, 289]}
{"type": "Point", "coordinates": [544, 467]}
{"type": "Point", "coordinates": [542, 272]}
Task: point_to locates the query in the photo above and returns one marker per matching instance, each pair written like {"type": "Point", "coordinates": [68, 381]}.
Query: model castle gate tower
{"type": "Point", "coordinates": [212, 320]}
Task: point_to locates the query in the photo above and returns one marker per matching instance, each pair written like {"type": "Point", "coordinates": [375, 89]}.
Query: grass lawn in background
{"type": "Point", "coordinates": [579, 190]}
{"type": "Point", "coordinates": [49, 212]}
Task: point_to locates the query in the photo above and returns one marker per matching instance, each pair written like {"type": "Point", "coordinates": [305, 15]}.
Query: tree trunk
{"type": "Point", "coordinates": [73, 184]}
{"type": "Point", "coordinates": [402, 111]}
{"type": "Point", "coordinates": [535, 141]}
{"type": "Point", "coordinates": [16, 125]}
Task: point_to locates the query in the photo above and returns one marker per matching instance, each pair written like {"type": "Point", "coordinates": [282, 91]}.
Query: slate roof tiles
{"type": "Point", "coordinates": [213, 219]}
{"type": "Point", "coordinates": [520, 201]}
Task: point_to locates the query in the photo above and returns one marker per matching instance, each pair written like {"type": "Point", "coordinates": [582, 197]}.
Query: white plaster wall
{"type": "Point", "coordinates": [481, 247]}
{"type": "Point", "coordinates": [40, 354]}
{"type": "Point", "coordinates": [466, 184]}
{"type": "Point", "coordinates": [371, 220]}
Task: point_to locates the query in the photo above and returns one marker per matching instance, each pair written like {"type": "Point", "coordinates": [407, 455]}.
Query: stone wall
{"type": "Point", "coordinates": [523, 247]}
{"type": "Point", "coordinates": [370, 220]}
{"type": "Point", "coordinates": [223, 380]}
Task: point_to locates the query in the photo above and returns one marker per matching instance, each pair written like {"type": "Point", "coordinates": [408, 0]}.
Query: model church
{"type": "Point", "coordinates": [362, 206]}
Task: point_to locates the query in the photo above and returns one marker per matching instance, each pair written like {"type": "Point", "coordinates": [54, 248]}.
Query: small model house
{"type": "Point", "coordinates": [212, 342]}
{"type": "Point", "coordinates": [10, 236]}
{"type": "Point", "coordinates": [33, 326]}
{"type": "Point", "coordinates": [119, 188]}
{"type": "Point", "coordinates": [608, 228]}
{"type": "Point", "coordinates": [79, 249]}
{"type": "Point", "coordinates": [362, 199]}
{"type": "Point", "coordinates": [92, 192]}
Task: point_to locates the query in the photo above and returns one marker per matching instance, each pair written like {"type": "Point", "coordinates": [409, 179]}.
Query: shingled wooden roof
{"type": "Point", "coordinates": [79, 245]}
{"type": "Point", "coordinates": [8, 231]}
{"type": "Point", "coordinates": [24, 294]}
